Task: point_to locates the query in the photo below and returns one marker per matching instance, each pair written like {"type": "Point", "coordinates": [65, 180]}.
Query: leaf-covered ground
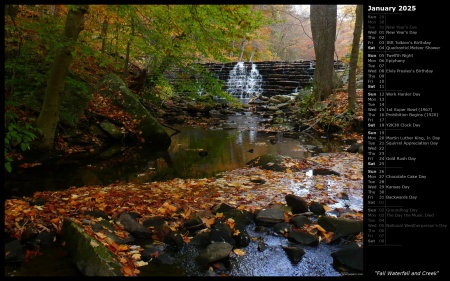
{"type": "Point", "coordinates": [178, 199]}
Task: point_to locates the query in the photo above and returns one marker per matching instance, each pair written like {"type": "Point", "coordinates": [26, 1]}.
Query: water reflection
{"type": "Point", "coordinates": [222, 150]}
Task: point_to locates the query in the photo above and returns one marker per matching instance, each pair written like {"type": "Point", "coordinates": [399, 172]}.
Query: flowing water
{"type": "Point", "coordinates": [226, 150]}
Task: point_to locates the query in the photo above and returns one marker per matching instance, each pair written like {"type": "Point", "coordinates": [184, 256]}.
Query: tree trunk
{"type": "Point", "coordinates": [354, 58]}
{"type": "Point", "coordinates": [323, 29]}
{"type": "Point", "coordinates": [49, 115]}
{"type": "Point", "coordinates": [104, 34]}
{"type": "Point", "coordinates": [127, 56]}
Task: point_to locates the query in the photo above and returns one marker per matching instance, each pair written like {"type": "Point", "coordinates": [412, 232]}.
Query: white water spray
{"type": "Point", "coordinates": [244, 85]}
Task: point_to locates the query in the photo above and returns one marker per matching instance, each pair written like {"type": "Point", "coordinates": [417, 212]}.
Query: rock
{"type": "Point", "coordinates": [297, 203]}
{"type": "Point", "coordinates": [340, 227]}
{"type": "Point", "coordinates": [324, 172]}
{"type": "Point", "coordinates": [122, 97]}
{"type": "Point", "coordinates": [220, 235]}
{"type": "Point", "coordinates": [221, 208]}
{"type": "Point", "coordinates": [201, 239]}
{"type": "Point", "coordinates": [270, 216]}
{"type": "Point", "coordinates": [194, 225]}
{"type": "Point", "coordinates": [350, 258]}
{"type": "Point", "coordinates": [316, 208]}
{"type": "Point", "coordinates": [175, 239]}
{"type": "Point", "coordinates": [214, 252]}
{"type": "Point", "coordinates": [132, 226]}
{"type": "Point", "coordinates": [282, 228]}
{"type": "Point", "coordinates": [294, 253]}
{"type": "Point", "coordinates": [242, 238]}
{"type": "Point", "coordinates": [111, 130]}
{"type": "Point", "coordinates": [91, 257]}
{"type": "Point", "coordinates": [299, 221]}
{"type": "Point", "coordinates": [14, 252]}
{"type": "Point", "coordinates": [303, 238]}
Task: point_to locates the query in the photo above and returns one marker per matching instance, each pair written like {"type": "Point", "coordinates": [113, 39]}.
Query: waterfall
{"type": "Point", "coordinates": [244, 85]}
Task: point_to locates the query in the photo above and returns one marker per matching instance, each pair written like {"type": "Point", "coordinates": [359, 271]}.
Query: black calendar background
{"type": "Point", "coordinates": [411, 250]}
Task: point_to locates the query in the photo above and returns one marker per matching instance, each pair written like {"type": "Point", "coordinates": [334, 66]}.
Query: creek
{"type": "Point", "coordinates": [226, 149]}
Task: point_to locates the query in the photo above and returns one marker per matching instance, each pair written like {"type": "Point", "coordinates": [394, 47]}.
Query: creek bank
{"type": "Point", "coordinates": [214, 243]}
{"type": "Point", "coordinates": [299, 223]}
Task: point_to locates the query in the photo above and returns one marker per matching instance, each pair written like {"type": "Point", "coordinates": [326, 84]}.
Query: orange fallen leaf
{"type": "Point", "coordinates": [208, 221]}
{"type": "Point", "coordinates": [239, 252]}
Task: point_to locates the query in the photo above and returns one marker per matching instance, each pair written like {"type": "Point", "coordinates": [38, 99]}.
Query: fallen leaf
{"type": "Point", "coordinates": [239, 252]}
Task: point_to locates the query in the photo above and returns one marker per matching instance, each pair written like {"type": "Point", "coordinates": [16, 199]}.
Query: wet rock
{"type": "Point", "coordinates": [91, 260]}
{"type": "Point", "coordinates": [194, 225]}
{"type": "Point", "coordinates": [324, 172]}
{"type": "Point", "coordinates": [316, 208]}
{"type": "Point", "coordinates": [303, 238]}
{"type": "Point", "coordinates": [14, 252]}
{"type": "Point", "coordinates": [282, 228]}
{"type": "Point", "coordinates": [29, 233]}
{"type": "Point", "coordinates": [217, 235]}
{"type": "Point", "coordinates": [132, 226]}
{"type": "Point", "coordinates": [350, 258]}
{"type": "Point", "coordinates": [45, 238]}
{"type": "Point", "coordinates": [270, 216]}
{"type": "Point", "coordinates": [298, 204]}
{"type": "Point", "coordinates": [154, 222]}
{"type": "Point", "coordinates": [201, 239]}
{"type": "Point", "coordinates": [294, 253]}
{"type": "Point", "coordinates": [221, 208]}
{"type": "Point", "coordinates": [175, 239]}
{"type": "Point", "coordinates": [299, 221]}
{"type": "Point", "coordinates": [102, 225]}
{"type": "Point", "coordinates": [242, 238]}
{"type": "Point", "coordinates": [262, 246]}
{"type": "Point", "coordinates": [240, 217]}
{"type": "Point", "coordinates": [340, 227]}
{"type": "Point", "coordinates": [214, 252]}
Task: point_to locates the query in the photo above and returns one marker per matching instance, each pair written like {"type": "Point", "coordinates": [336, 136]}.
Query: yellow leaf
{"type": "Point", "coordinates": [94, 243]}
{"type": "Point", "coordinates": [219, 215]}
{"type": "Point", "coordinates": [239, 252]}
{"type": "Point", "coordinates": [141, 263]}
{"type": "Point", "coordinates": [208, 221]}
{"type": "Point", "coordinates": [321, 229]}
{"type": "Point", "coordinates": [100, 235]}
{"type": "Point", "coordinates": [122, 247]}
{"type": "Point", "coordinates": [319, 186]}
